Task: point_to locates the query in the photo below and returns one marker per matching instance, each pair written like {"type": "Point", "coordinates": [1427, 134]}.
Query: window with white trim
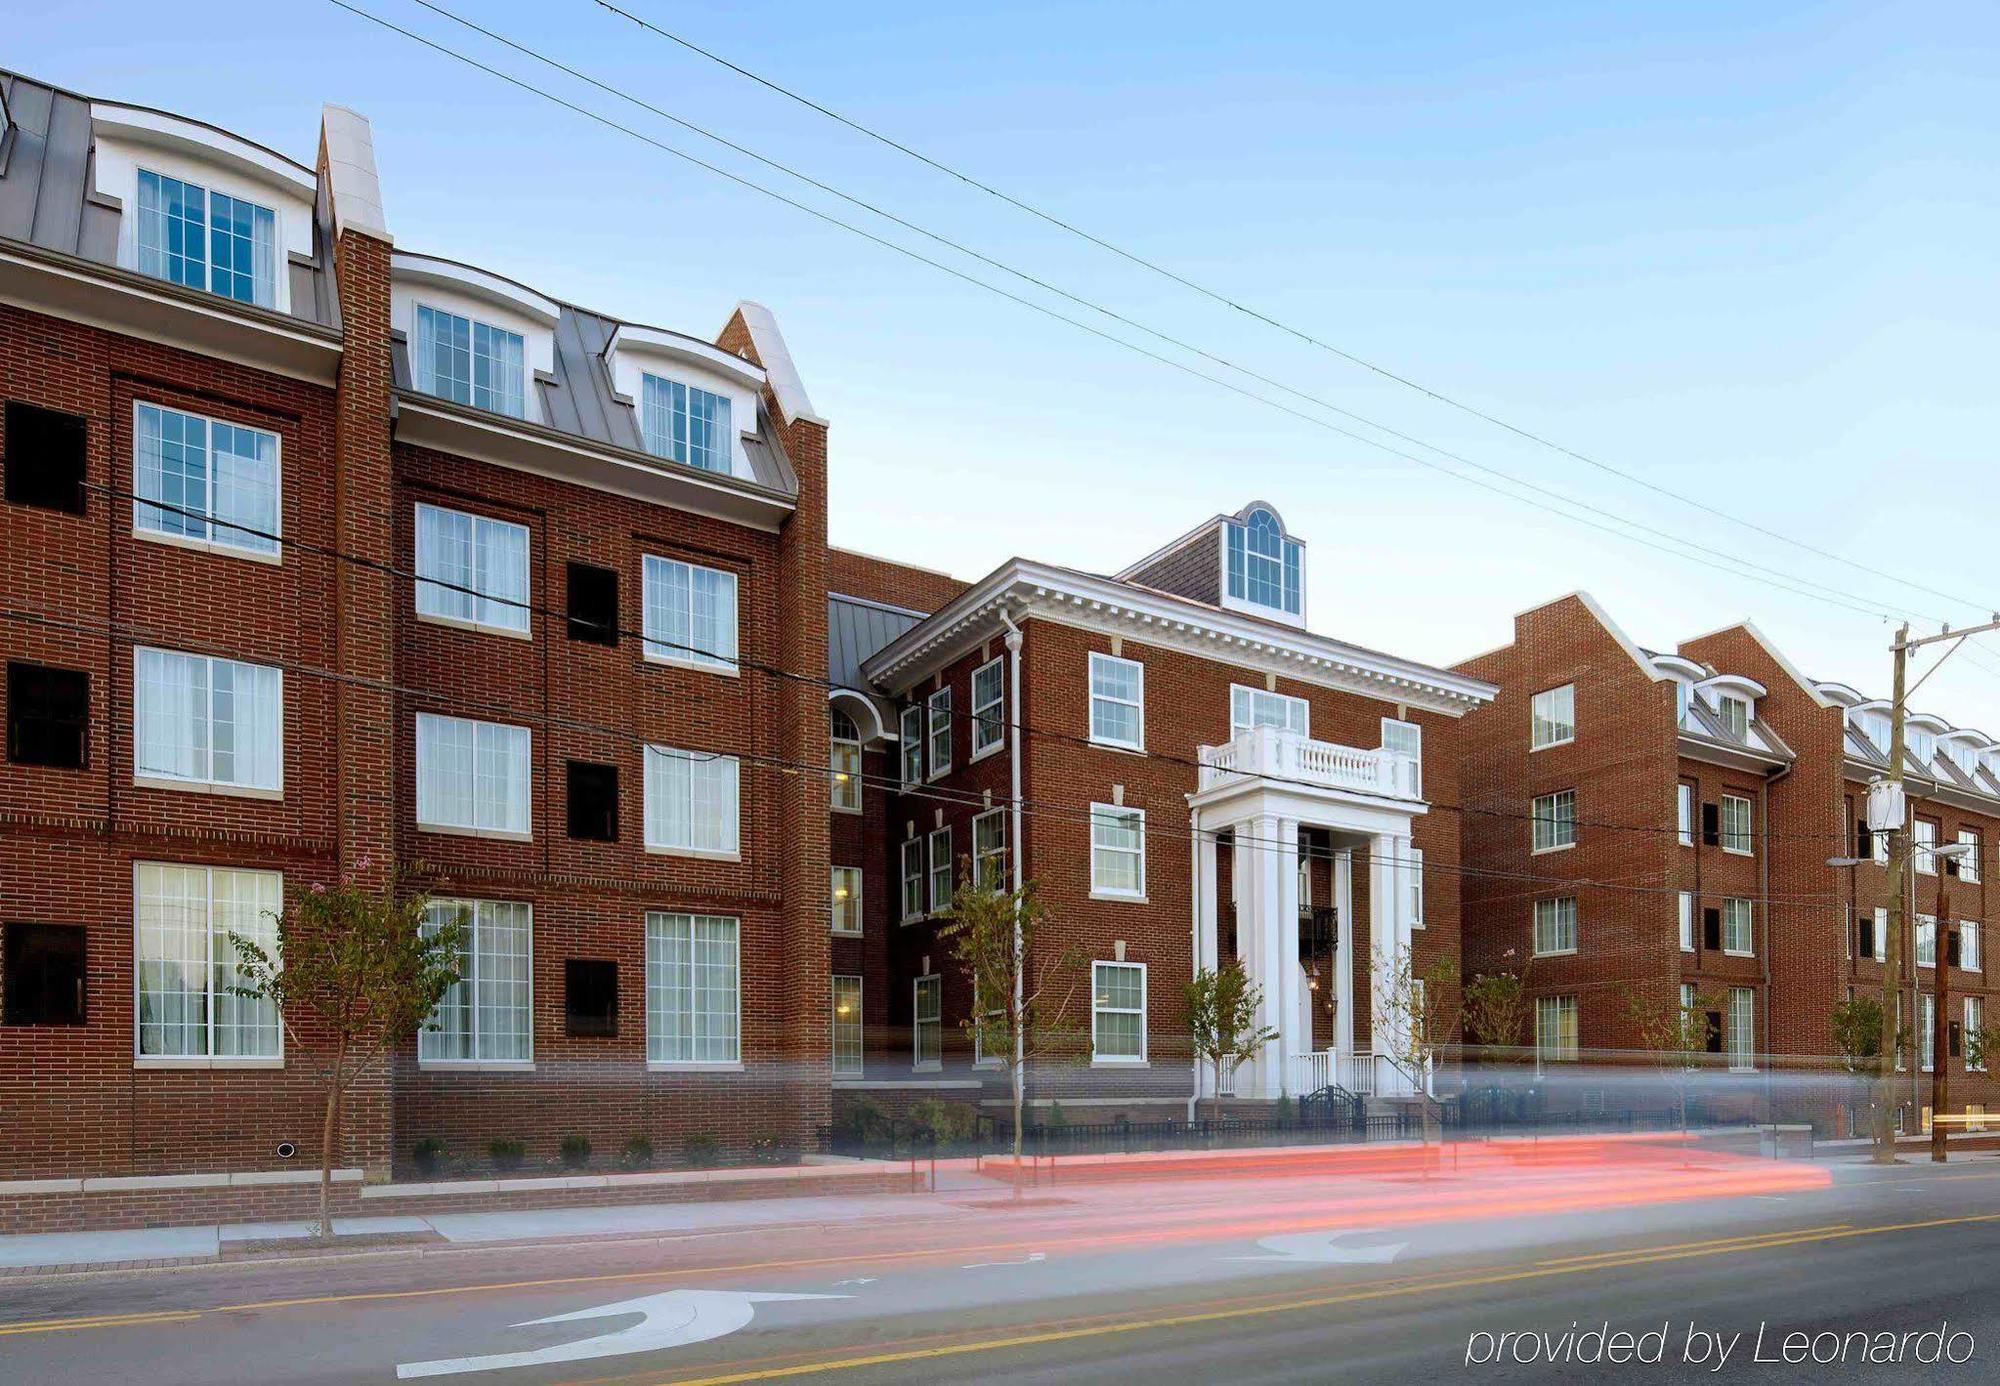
{"type": "Point", "coordinates": [686, 424]}
{"type": "Point", "coordinates": [911, 743]}
{"type": "Point", "coordinates": [1926, 941]}
{"type": "Point", "coordinates": [1117, 702]}
{"type": "Point", "coordinates": [846, 886]}
{"type": "Point", "coordinates": [1117, 852]}
{"type": "Point", "coordinates": [1554, 818]}
{"type": "Point", "coordinates": [1259, 707]}
{"type": "Point", "coordinates": [474, 776]}
{"type": "Point", "coordinates": [1687, 921]}
{"type": "Point", "coordinates": [1734, 714]}
{"type": "Point", "coordinates": [1117, 1013]}
{"type": "Point", "coordinates": [487, 1017]}
{"type": "Point", "coordinates": [989, 711]}
{"type": "Point", "coordinates": [847, 1033]}
{"type": "Point", "coordinates": [1872, 942]}
{"type": "Point", "coordinates": [941, 870]}
{"type": "Point", "coordinates": [1968, 864]}
{"type": "Point", "coordinates": [1555, 1029]}
{"type": "Point", "coordinates": [468, 361]}
{"type": "Point", "coordinates": [692, 802]}
{"type": "Point", "coordinates": [1552, 717]}
{"type": "Point", "coordinates": [1264, 567]}
{"type": "Point", "coordinates": [1924, 836]}
{"type": "Point", "coordinates": [1684, 813]}
{"type": "Point", "coordinates": [989, 849]}
{"type": "Point", "coordinates": [204, 482]}
{"type": "Point", "coordinates": [1927, 1032]}
{"type": "Point", "coordinates": [1970, 955]}
{"type": "Point", "coordinates": [1414, 869]}
{"type": "Point", "coordinates": [1555, 926]}
{"type": "Point", "coordinates": [188, 234]}
{"type": "Point", "coordinates": [937, 713]}
{"type": "Point", "coordinates": [185, 964]}
{"type": "Point", "coordinates": [1736, 829]}
{"type": "Point", "coordinates": [1975, 1021]}
{"type": "Point", "coordinates": [693, 989]}
{"type": "Point", "coordinates": [485, 563]}
{"type": "Point", "coordinates": [1742, 1029]}
{"type": "Point", "coordinates": [844, 758]}
{"type": "Point", "coordinates": [913, 879]}
{"type": "Point", "coordinates": [204, 721]}
{"type": "Point", "coordinates": [927, 1023]}
{"type": "Point", "coordinates": [1738, 935]}
{"type": "Point", "coordinates": [1406, 739]}
{"type": "Point", "coordinates": [690, 614]}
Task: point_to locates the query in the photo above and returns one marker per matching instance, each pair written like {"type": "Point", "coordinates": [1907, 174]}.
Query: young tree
{"type": "Point", "coordinates": [1496, 1009]}
{"type": "Point", "coordinates": [1020, 1004]}
{"type": "Point", "coordinates": [1415, 1007]}
{"type": "Point", "coordinates": [1857, 1033]}
{"type": "Point", "coordinates": [359, 968]}
{"type": "Point", "coordinates": [1675, 1035]}
{"type": "Point", "coordinates": [1222, 1007]}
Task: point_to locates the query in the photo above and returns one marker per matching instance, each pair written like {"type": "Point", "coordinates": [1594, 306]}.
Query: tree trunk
{"type": "Point", "coordinates": [1019, 1103]}
{"type": "Point", "coordinates": [328, 1128]}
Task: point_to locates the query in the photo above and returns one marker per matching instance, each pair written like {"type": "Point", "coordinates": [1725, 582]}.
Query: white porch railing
{"type": "Point", "coordinates": [1285, 755]}
{"type": "Point", "coordinates": [1325, 1068]}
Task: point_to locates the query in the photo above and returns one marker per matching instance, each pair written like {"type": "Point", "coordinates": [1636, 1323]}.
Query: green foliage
{"type": "Point", "coordinates": [428, 1153]}
{"type": "Point", "coordinates": [1222, 1007]}
{"type": "Point", "coordinates": [638, 1152]}
{"type": "Point", "coordinates": [699, 1152]}
{"type": "Point", "coordinates": [1857, 1032]}
{"type": "Point", "coordinates": [1982, 1045]}
{"type": "Point", "coordinates": [1056, 1120]}
{"type": "Point", "coordinates": [1496, 1009]}
{"type": "Point", "coordinates": [773, 1150]}
{"type": "Point", "coordinates": [575, 1150]}
{"type": "Point", "coordinates": [1284, 1109]}
{"type": "Point", "coordinates": [952, 1123]}
{"type": "Point", "coordinates": [506, 1152]}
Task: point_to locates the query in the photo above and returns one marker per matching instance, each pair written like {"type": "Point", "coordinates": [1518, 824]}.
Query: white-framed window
{"type": "Point", "coordinates": [1970, 955]}
{"type": "Point", "coordinates": [1736, 829]}
{"type": "Point", "coordinates": [989, 706]}
{"type": "Point", "coordinates": [1684, 813]}
{"type": "Point", "coordinates": [184, 964]}
{"type": "Point", "coordinates": [937, 714]}
{"type": "Point", "coordinates": [846, 886]}
{"type": "Point", "coordinates": [1259, 707]}
{"type": "Point", "coordinates": [485, 564]}
{"type": "Point", "coordinates": [913, 879]}
{"type": "Point", "coordinates": [191, 235]}
{"type": "Point", "coordinates": [844, 760]}
{"type": "Point", "coordinates": [1968, 864]}
{"type": "Point", "coordinates": [1415, 875]}
{"type": "Point", "coordinates": [686, 424]}
{"type": "Point", "coordinates": [1117, 1013]}
{"type": "Point", "coordinates": [911, 744]}
{"type": "Point", "coordinates": [1734, 714]}
{"type": "Point", "coordinates": [1742, 1029]}
{"type": "Point", "coordinates": [1927, 1032]}
{"type": "Point", "coordinates": [1686, 916]}
{"type": "Point", "coordinates": [1406, 739]}
{"type": "Point", "coordinates": [989, 849]}
{"type": "Point", "coordinates": [1924, 836]}
{"type": "Point", "coordinates": [1555, 1029]}
{"type": "Point", "coordinates": [1552, 717]}
{"type": "Point", "coordinates": [1926, 941]}
{"type": "Point", "coordinates": [488, 1015]}
{"type": "Point", "coordinates": [205, 483]}
{"type": "Point", "coordinates": [1117, 852]}
{"type": "Point", "coordinates": [927, 1023]}
{"type": "Point", "coordinates": [692, 803]}
{"type": "Point", "coordinates": [847, 1032]}
{"type": "Point", "coordinates": [1738, 935]}
{"type": "Point", "coordinates": [690, 614]}
{"type": "Point", "coordinates": [1875, 942]}
{"type": "Point", "coordinates": [941, 870]}
{"type": "Point", "coordinates": [1117, 702]}
{"type": "Point", "coordinates": [1975, 1021]}
{"type": "Point", "coordinates": [1554, 821]}
{"type": "Point", "coordinates": [474, 777]}
{"type": "Point", "coordinates": [200, 721]}
{"type": "Point", "coordinates": [1263, 566]}
{"type": "Point", "coordinates": [471, 362]}
{"type": "Point", "coordinates": [693, 989]}
{"type": "Point", "coordinates": [1555, 926]}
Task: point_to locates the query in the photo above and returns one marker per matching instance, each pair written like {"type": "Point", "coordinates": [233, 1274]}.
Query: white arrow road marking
{"type": "Point", "coordinates": [1324, 1248]}
{"type": "Point", "coordinates": [673, 1319]}
{"type": "Point", "coordinates": [1029, 1260]}
{"type": "Point", "coordinates": [858, 1280]}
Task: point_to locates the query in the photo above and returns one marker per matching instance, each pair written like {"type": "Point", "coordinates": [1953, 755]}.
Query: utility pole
{"type": "Point", "coordinates": [1892, 959]}
{"type": "Point", "coordinates": [1940, 1025]}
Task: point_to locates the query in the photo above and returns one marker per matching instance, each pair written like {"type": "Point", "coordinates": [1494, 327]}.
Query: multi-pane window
{"type": "Point", "coordinates": [1415, 877]}
{"type": "Point", "coordinates": [1970, 956]}
{"type": "Point", "coordinates": [1552, 719]}
{"type": "Point", "coordinates": [927, 1022]}
{"type": "Point", "coordinates": [937, 711]}
{"type": "Point", "coordinates": [1927, 1032]}
{"type": "Point", "coordinates": [1684, 813]}
{"type": "Point", "coordinates": [913, 879]}
{"type": "Point", "coordinates": [469, 361]}
{"type": "Point", "coordinates": [686, 424]}
{"type": "Point", "coordinates": [846, 884]}
{"type": "Point", "coordinates": [847, 1034]}
{"type": "Point", "coordinates": [1924, 836]}
{"type": "Point", "coordinates": [1968, 861]}
{"type": "Point", "coordinates": [911, 744]}
{"type": "Point", "coordinates": [1554, 821]}
{"type": "Point", "coordinates": [1686, 915]}
{"type": "Point", "coordinates": [1406, 739]}
{"type": "Point", "coordinates": [1743, 1028]}
{"type": "Point", "coordinates": [48, 716]}
{"type": "Point", "coordinates": [487, 1016]}
{"type": "Point", "coordinates": [474, 776]}
{"type": "Point", "coordinates": [207, 721]}
{"type": "Point", "coordinates": [989, 849]}
{"type": "Point", "coordinates": [1736, 830]}
{"type": "Point", "coordinates": [472, 569]}
{"type": "Point", "coordinates": [1118, 1013]}
{"type": "Point", "coordinates": [1555, 1029]}
{"type": "Point", "coordinates": [1117, 851]}
{"type": "Point", "coordinates": [183, 917]}
{"type": "Point", "coordinates": [690, 614]}
{"type": "Point", "coordinates": [192, 235]}
{"type": "Point", "coordinates": [1117, 702]}
{"type": "Point", "coordinates": [844, 758]}
{"type": "Point", "coordinates": [1264, 566]}
{"type": "Point", "coordinates": [1975, 1022]}
{"type": "Point", "coordinates": [1736, 928]}
{"type": "Point", "coordinates": [691, 801]}
{"type": "Point", "coordinates": [941, 872]}
{"type": "Point", "coordinates": [1555, 925]}
{"type": "Point", "coordinates": [989, 714]}
{"type": "Point", "coordinates": [693, 1002]}
{"type": "Point", "coordinates": [1734, 714]}
{"type": "Point", "coordinates": [1257, 707]}
{"type": "Point", "coordinates": [203, 480]}
{"type": "Point", "coordinates": [1926, 941]}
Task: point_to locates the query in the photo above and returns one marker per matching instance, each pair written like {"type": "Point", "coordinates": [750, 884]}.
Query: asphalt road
{"type": "Point", "coordinates": [1244, 1281]}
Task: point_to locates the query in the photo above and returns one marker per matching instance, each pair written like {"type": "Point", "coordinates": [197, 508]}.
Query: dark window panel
{"type": "Point", "coordinates": [593, 801]}
{"type": "Point", "coordinates": [48, 716]}
{"type": "Point", "coordinates": [593, 604]}
{"type": "Point", "coordinates": [590, 996]}
{"type": "Point", "coordinates": [45, 458]}
{"type": "Point", "coordinates": [42, 975]}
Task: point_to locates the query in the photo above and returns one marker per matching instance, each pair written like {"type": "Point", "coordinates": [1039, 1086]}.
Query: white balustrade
{"type": "Point", "coordinates": [1285, 755]}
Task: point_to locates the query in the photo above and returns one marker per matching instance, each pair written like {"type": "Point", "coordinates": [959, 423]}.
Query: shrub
{"type": "Point", "coordinates": [772, 1150]}
{"type": "Point", "coordinates": [950, 1122]}
{"type": "Point", "coordinates": [427, 1154]}
{"type": "Point", "coordinates": [575, 1150]}
{"type": "Point", "coordinates": [698, 1152]}
{"type": "Point", "coordinates": [1284, 1109]}
{"type": "Point", "coordinates": [506, 1152]}
{"type": "Point", "coordinates": [638, 1152]}
{"type": "Point", "coordinates": [1056, 1121]}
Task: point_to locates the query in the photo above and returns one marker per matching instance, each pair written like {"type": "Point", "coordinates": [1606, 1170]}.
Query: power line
{"type": "Point", "coordinates": [1300, 334]}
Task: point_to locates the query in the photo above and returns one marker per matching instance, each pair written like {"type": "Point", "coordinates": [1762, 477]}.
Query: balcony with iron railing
{"type": "Point", "coordinates": [1272, 753]}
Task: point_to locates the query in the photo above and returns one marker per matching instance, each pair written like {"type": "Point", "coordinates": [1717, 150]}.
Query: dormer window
{"type": "Point", "coordinates": [686, 424]}
{"type": "Point", "coordinates": [472, 362]}
{"type": "Point", "coordinates": [1922, 744]}
{"type": "Point", "coordinates": [1265, 568]}
{"type": "Point", "coordinates": [1734, 714]}
{"type": "Point", "coordinates": [191, 235]}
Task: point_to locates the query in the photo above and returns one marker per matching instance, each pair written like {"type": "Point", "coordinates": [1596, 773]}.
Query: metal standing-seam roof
{"type": "Point", "coordinates": [856, 629]}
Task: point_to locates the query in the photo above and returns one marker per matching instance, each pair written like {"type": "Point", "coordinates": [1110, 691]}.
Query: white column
{"type": "Point", "coordinates": [1342, 980]}
{"type": "Point", "coordinates": [1388, 940]}
{"type": "Point", "coordinates": [1207, 927]}
{"type": "Point", "coordinates": [1260, 939]}
{"type": "Point", "coordinates": [1291, 985]}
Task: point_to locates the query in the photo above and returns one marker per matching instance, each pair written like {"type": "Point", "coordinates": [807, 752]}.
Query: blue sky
{"type": "Point", "coordinates": [1745, 252]}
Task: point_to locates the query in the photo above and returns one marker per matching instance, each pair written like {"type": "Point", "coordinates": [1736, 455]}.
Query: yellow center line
{"type": "Point", "coordinates": [1713, 1242]}
{"type": "Point", "coordinates": [99, 1321]}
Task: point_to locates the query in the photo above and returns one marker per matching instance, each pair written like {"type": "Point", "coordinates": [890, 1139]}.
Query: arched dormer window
{"type": "Point", "coordinates": [1266, 569]}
